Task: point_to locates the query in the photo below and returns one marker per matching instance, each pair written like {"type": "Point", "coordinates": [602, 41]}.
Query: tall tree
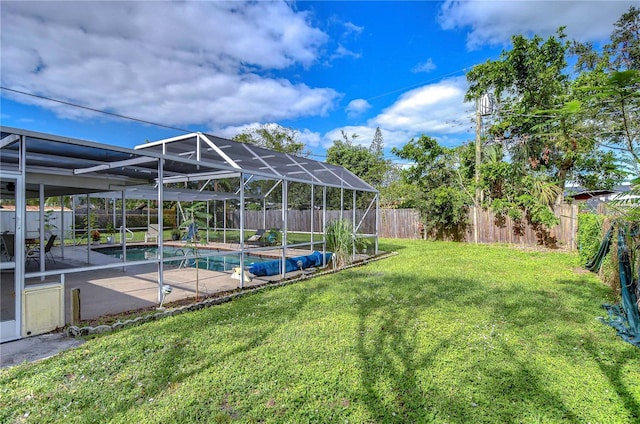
{"type": "Point", "coordinates": [624, 48]}
{"type": "Point", "coordinates": [608, 90]}
{"type": "Point", "coordinates": [377, 144]}
{"type": "Point", "coordinates": [538, 125]}
{"type": "Point", "coordinates": [274, 137]}
{"type": "Point", "coordinates": [442, 180]}
{"type": "Point", "coordinates": [363, 162]}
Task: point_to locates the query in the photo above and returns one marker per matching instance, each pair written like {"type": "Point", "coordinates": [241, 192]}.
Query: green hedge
{"type": "Point", "coordinates": [589, 235]}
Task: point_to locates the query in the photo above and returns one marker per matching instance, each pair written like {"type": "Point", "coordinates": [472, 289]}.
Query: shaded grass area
{"type": "Point", "coordinates": [442, 332]}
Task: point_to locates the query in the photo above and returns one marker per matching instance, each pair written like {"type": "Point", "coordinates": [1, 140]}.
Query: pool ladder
{"type": "Point", "coordinates": [128, 231]}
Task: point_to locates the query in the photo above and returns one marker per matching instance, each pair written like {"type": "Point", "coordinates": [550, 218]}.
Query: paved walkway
{"type": "Point", "coordinates": [35, 348]}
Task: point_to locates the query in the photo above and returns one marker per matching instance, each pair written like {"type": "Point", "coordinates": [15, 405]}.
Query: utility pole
{"type": "Point", "coordinates": [476, 200]}
{"type": "Point", "coordinates": [484, 106]}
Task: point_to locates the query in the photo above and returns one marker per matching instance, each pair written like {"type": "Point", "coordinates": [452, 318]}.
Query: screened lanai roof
{"type": "Point", "coordinates": [71, 166]}
{"type": "Point", "coordinates": [256, 160]}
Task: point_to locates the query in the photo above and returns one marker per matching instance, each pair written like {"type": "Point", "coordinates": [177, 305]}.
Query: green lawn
{"type": "Point", "coordinates": [442, 332]}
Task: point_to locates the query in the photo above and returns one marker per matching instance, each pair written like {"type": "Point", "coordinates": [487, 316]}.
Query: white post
{"type": "Point", "coordinates": [160, 238]}
{"type": "Point", "coordinates": [88, 230]}
{"type": "Point", "coordinates": [312, 209]}
{"type": "Point", "coordinates": [285, 217]}
{"type": "Point", "coordinates": [41, 229]}
{"type": "Point", "coordinates": [242, 230]}
{"type": "Point", "coordinates": [62, 226]}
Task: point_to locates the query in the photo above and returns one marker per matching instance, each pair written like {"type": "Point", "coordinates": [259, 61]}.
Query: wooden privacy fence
{"type": "Point", "coordinates": [406, 223]}
{"type": "Point", "coordinates": [300, 220]}
{"type": "Point", "coordinates": [491, 230]}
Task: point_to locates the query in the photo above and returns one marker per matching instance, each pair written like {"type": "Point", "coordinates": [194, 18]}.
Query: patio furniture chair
{"type": "Point", "coordinates": [192, 233]}
{"type": "Point", "coordinates": [152, 233]}
{"type": "Point", "coordinates": [257, 237]}
{"type": "Point", "coordinates": [34, 253]}
{"type": "Point", "coordinates": [7, 245]}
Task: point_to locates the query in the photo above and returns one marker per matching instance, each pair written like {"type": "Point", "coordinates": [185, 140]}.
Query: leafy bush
{"type": "Point", "coordinates": [589, 235]}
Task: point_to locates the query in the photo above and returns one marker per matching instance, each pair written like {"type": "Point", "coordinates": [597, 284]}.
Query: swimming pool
{"type": "Point", "coordinates": [212, 263]}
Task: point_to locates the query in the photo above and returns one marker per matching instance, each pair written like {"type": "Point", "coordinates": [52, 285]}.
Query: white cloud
{"type": "Point", "coordinates": [494, 22]}
{"type": "Point", "coordinates": [427, 66]}
{"type": "Point", "coordinates": [357, 107]}
{"type": "Point", "coordinates": [437, 110]}
{"type": "Point", "coordinates": [352, 28]}
{"type": "Point", "coordinates": [432, 109]}
{"type": "Point", "coordinates": [174, 63]}
{"type": "Point", "coordinates": [310, 139]}
{"type": "Point", "coordinates": [342, 51]}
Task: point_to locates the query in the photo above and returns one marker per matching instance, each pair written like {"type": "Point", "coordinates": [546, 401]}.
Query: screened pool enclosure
{"type": "Point", "coordinates": [209, 190]}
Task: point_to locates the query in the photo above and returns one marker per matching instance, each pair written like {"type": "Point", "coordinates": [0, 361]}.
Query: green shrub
{"type": "Point", "coordinates": [589, 235]}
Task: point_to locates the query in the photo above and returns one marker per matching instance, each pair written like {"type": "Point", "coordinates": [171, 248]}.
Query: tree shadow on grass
{"type": "Point", "coordinates": [394, 360]}
{"type": "Point", "coordinates": [144, 368]}
{"type": "Point", "coordinates": [390, 245]}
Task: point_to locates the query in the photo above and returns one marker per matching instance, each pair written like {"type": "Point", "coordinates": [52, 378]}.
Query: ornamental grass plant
{"type": "Point", "coordinates": [441, 332]}
{"type": "Point", "coordinates": [339, 236]}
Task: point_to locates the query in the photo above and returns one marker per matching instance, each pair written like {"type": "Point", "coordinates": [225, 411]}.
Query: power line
{"type": "Point", "coordinates": [417, 84]}
{"type": "Point", "coordinates": [95, 110]}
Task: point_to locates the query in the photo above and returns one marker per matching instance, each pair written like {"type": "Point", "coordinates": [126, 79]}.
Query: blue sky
{"type": "Point", "coordinates": [221, 67]}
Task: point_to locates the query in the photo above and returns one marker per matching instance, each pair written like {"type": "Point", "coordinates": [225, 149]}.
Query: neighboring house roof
{"type": "Point", "coordinates": [586, 195]}
{"type": "Point", "coordinates": [581, 194]}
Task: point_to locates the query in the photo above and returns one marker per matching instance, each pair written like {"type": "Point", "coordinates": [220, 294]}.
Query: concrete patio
{"type": "Point", "coordinates": [118, 290]}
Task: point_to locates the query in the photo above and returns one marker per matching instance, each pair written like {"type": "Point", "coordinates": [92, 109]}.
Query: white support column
{"type": "Point", "coordinates": [113, 219]}
{"type": "Point", "coordinates": [62, 226]}
{"type": "Point", "coordinates": [20, 233]}
{"type": "Point", "coordinates": [285, 217]}
{"type": "Point", "coordinates": [73, 219]}
{"type": "Point", "coordinates": [224, 221]}
{"type": "Point", "coordinates": [160, 238]}
{"type": "Point", "coordinates": [208, 215]}
{"type": "Point", "coordinates": [377, 221]}
{"type": "Point", "coordinates": [123, 233]}
{"type": "Point", "coordinates": [312, 212]}
{"type": "Point", "coordinates": [264, 213]}
{"type": "Point", "coordinates": [242, 230]}
{"type": "Point", "coordinates": [88, 230]}
{"type": "Point", "coordinates": [324, 224]}
{"type": "Point", "coordinates": [353, 225]}
{"type": "Point", "coordinates": [41, 229]}
{"type": "Point", "coordinates": [215, 218]}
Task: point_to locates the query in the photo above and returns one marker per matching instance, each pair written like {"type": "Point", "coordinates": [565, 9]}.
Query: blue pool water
{"type": "Point", "coordinates": [215, 263]}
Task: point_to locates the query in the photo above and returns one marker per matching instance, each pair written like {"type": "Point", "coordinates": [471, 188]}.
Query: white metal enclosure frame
{"type": "Point", "coordinates": [47, 165]}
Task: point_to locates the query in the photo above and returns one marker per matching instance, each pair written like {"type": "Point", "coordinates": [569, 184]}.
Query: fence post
{"type": "Point", "coordinates": [75, 306]}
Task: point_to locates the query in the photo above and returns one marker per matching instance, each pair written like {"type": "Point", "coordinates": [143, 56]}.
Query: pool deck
{"type": "Point", "coordinates": [117, 290]}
